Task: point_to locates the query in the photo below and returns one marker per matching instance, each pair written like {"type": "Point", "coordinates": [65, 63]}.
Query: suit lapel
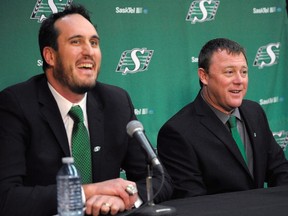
{"type": "Point", "coordinates": [96, 131]}
{"type": "Point", "coordinates": [216, 127]}
{"type": "Point", "coordinates": [52, 116]}
{"type": "Point", "coordinates": [251, 126]}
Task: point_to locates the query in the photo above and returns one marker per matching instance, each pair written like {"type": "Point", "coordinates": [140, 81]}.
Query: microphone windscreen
{"type": "Point", "coordinates": [133, 126]}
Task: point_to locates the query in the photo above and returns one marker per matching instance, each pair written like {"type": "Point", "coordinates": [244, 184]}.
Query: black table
{"type": "Point", "coordinates": [258, 202]}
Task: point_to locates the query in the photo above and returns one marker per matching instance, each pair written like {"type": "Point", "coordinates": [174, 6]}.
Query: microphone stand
{"type": "Point", "coordinates": [151, 209]}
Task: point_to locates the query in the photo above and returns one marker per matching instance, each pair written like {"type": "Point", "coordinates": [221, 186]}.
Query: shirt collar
{"type": "Point", "coordinates": [223, 116]}
{"type": "Point", "coordinates": [64, 105]}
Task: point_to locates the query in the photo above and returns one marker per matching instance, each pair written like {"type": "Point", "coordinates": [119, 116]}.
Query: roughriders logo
{"type": "Point", "coordinates": [133, 61]}
{"type": "Point", "coordinates": [43, 8]}
{"type": "Point", "coordinates": [267, 55]}
{"type": "Point", "coordinates": [281, 138]}
{"type": "Point", "coordinates": [202, 10]}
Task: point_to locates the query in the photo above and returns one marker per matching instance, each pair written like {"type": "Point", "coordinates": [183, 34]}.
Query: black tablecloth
{"type": "Point", "coordinates": [258, 202]}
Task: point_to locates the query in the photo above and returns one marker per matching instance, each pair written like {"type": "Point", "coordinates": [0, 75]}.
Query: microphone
{"type": "Point", "coordinates": [135, 129]}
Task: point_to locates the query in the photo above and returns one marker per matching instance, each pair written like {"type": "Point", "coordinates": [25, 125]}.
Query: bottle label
{"type": "Point", "coordinates": [69, 193]}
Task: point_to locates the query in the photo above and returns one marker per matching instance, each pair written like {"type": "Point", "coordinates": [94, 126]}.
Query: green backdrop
{"type": "Point", "coordinates": [150, 48]}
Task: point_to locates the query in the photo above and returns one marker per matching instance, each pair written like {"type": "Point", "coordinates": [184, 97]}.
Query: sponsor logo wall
{"type": "Point", "coordinates": [150, 48]}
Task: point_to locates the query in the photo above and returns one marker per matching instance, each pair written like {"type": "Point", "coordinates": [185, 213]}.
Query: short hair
{"type": "Point", "coordinates": [48, 34]}
{"type": "Point", "coordinates": [212, 46]}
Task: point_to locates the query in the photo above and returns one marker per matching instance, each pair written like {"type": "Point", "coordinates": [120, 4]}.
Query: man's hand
{"type": "Point", "coordinates": [103, 204]}
{"type": "Point", "coordinates": [114, 188]}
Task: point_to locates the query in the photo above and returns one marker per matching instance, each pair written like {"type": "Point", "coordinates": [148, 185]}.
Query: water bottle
{"type": "Point", "coordinates": [69, 194]}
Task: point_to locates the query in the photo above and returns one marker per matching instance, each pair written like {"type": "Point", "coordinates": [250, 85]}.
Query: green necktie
{"type": "Point", "coordinates": [233, 126]}
{"type": "Point", "coordinates": [81, 145]}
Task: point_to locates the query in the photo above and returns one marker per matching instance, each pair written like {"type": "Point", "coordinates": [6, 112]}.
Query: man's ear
{"type": "Point", "coordinates": [49, 55]}
{"type": "Point", "coordinates": [203, 76]}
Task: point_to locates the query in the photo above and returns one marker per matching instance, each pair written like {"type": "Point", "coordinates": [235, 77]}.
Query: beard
{"type": "Point", "coordinates": [66, 78]}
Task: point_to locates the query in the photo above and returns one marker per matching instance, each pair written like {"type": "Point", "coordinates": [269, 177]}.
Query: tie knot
{"type": "Point", "coordinates": [232, 121]}
{"type": "Point", "coordinates": [76, 113]}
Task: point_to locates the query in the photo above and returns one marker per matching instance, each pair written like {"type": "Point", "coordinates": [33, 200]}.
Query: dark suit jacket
{"type": "Point", "coordinates": [201, 156]}
{"type": "Point", "coordinates": [33, 140]}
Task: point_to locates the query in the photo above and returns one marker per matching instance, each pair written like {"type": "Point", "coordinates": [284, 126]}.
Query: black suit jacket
{"type": "Point", "coordinates": [33, 140]}
{"type": "Point", "coordinates": [201, 156]}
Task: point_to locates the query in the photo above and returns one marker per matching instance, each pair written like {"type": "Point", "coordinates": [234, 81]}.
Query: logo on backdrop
{"type": "Point", "coordinates": [43, 8]}
{"type": "Point", "coordinates": [131, 10]}
{"type": "Point", "coordinates": [143, 111]}
{"type": "Point", "coordinates": [202, 11]}
{"type": "Point", "coordinates": [267, 10]}
{"type": "Point", "coordinates": [267, 55]}
{"type": "Point", "coordinates": [135, 60]}
{"type": "Point", "coordinates": [281, 138]}
{"type": "Point", "coordinates": [271, 100]}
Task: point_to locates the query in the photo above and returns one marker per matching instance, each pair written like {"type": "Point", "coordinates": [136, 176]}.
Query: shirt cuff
{"type": "Point", "coordinates": [83, 196]}
{"type": "Point", "coordinates": [138, 202]}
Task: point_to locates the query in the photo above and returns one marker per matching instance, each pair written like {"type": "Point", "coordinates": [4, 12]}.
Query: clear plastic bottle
{"type": "Point", "coordinates": [69, 194]}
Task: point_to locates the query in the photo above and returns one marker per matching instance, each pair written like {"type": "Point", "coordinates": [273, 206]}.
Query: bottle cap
{"type": "Point", "coordinates": [67, 160]}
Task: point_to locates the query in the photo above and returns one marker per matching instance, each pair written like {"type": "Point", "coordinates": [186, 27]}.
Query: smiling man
{"type": "Point", "coordinates": [203, 150]}
{"type": "Point", "coordinates": [75, 64]}
{"type": "Point", "coordinates": [36, 128]}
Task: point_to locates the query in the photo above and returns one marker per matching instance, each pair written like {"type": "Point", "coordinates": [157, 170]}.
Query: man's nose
{"type": "Point", "coordinates": [87, 49]}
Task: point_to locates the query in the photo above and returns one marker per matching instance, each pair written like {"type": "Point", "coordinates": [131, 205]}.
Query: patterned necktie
{"type": "Point", "coordinates": [233, 126]}
{"type": "Point", "coordinates": [81, 145]}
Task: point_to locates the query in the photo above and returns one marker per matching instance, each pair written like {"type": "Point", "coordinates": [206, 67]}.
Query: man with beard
{"type": "Point", "coordinates": [36, 127]}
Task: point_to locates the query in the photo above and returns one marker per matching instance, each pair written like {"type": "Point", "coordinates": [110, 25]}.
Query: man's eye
{"type": "Point", "coordinates": [94, 43]}
{"type": "Point", "coordinates": [75, 42]}
{"type": "Point", "coordinates": [244, 73]}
